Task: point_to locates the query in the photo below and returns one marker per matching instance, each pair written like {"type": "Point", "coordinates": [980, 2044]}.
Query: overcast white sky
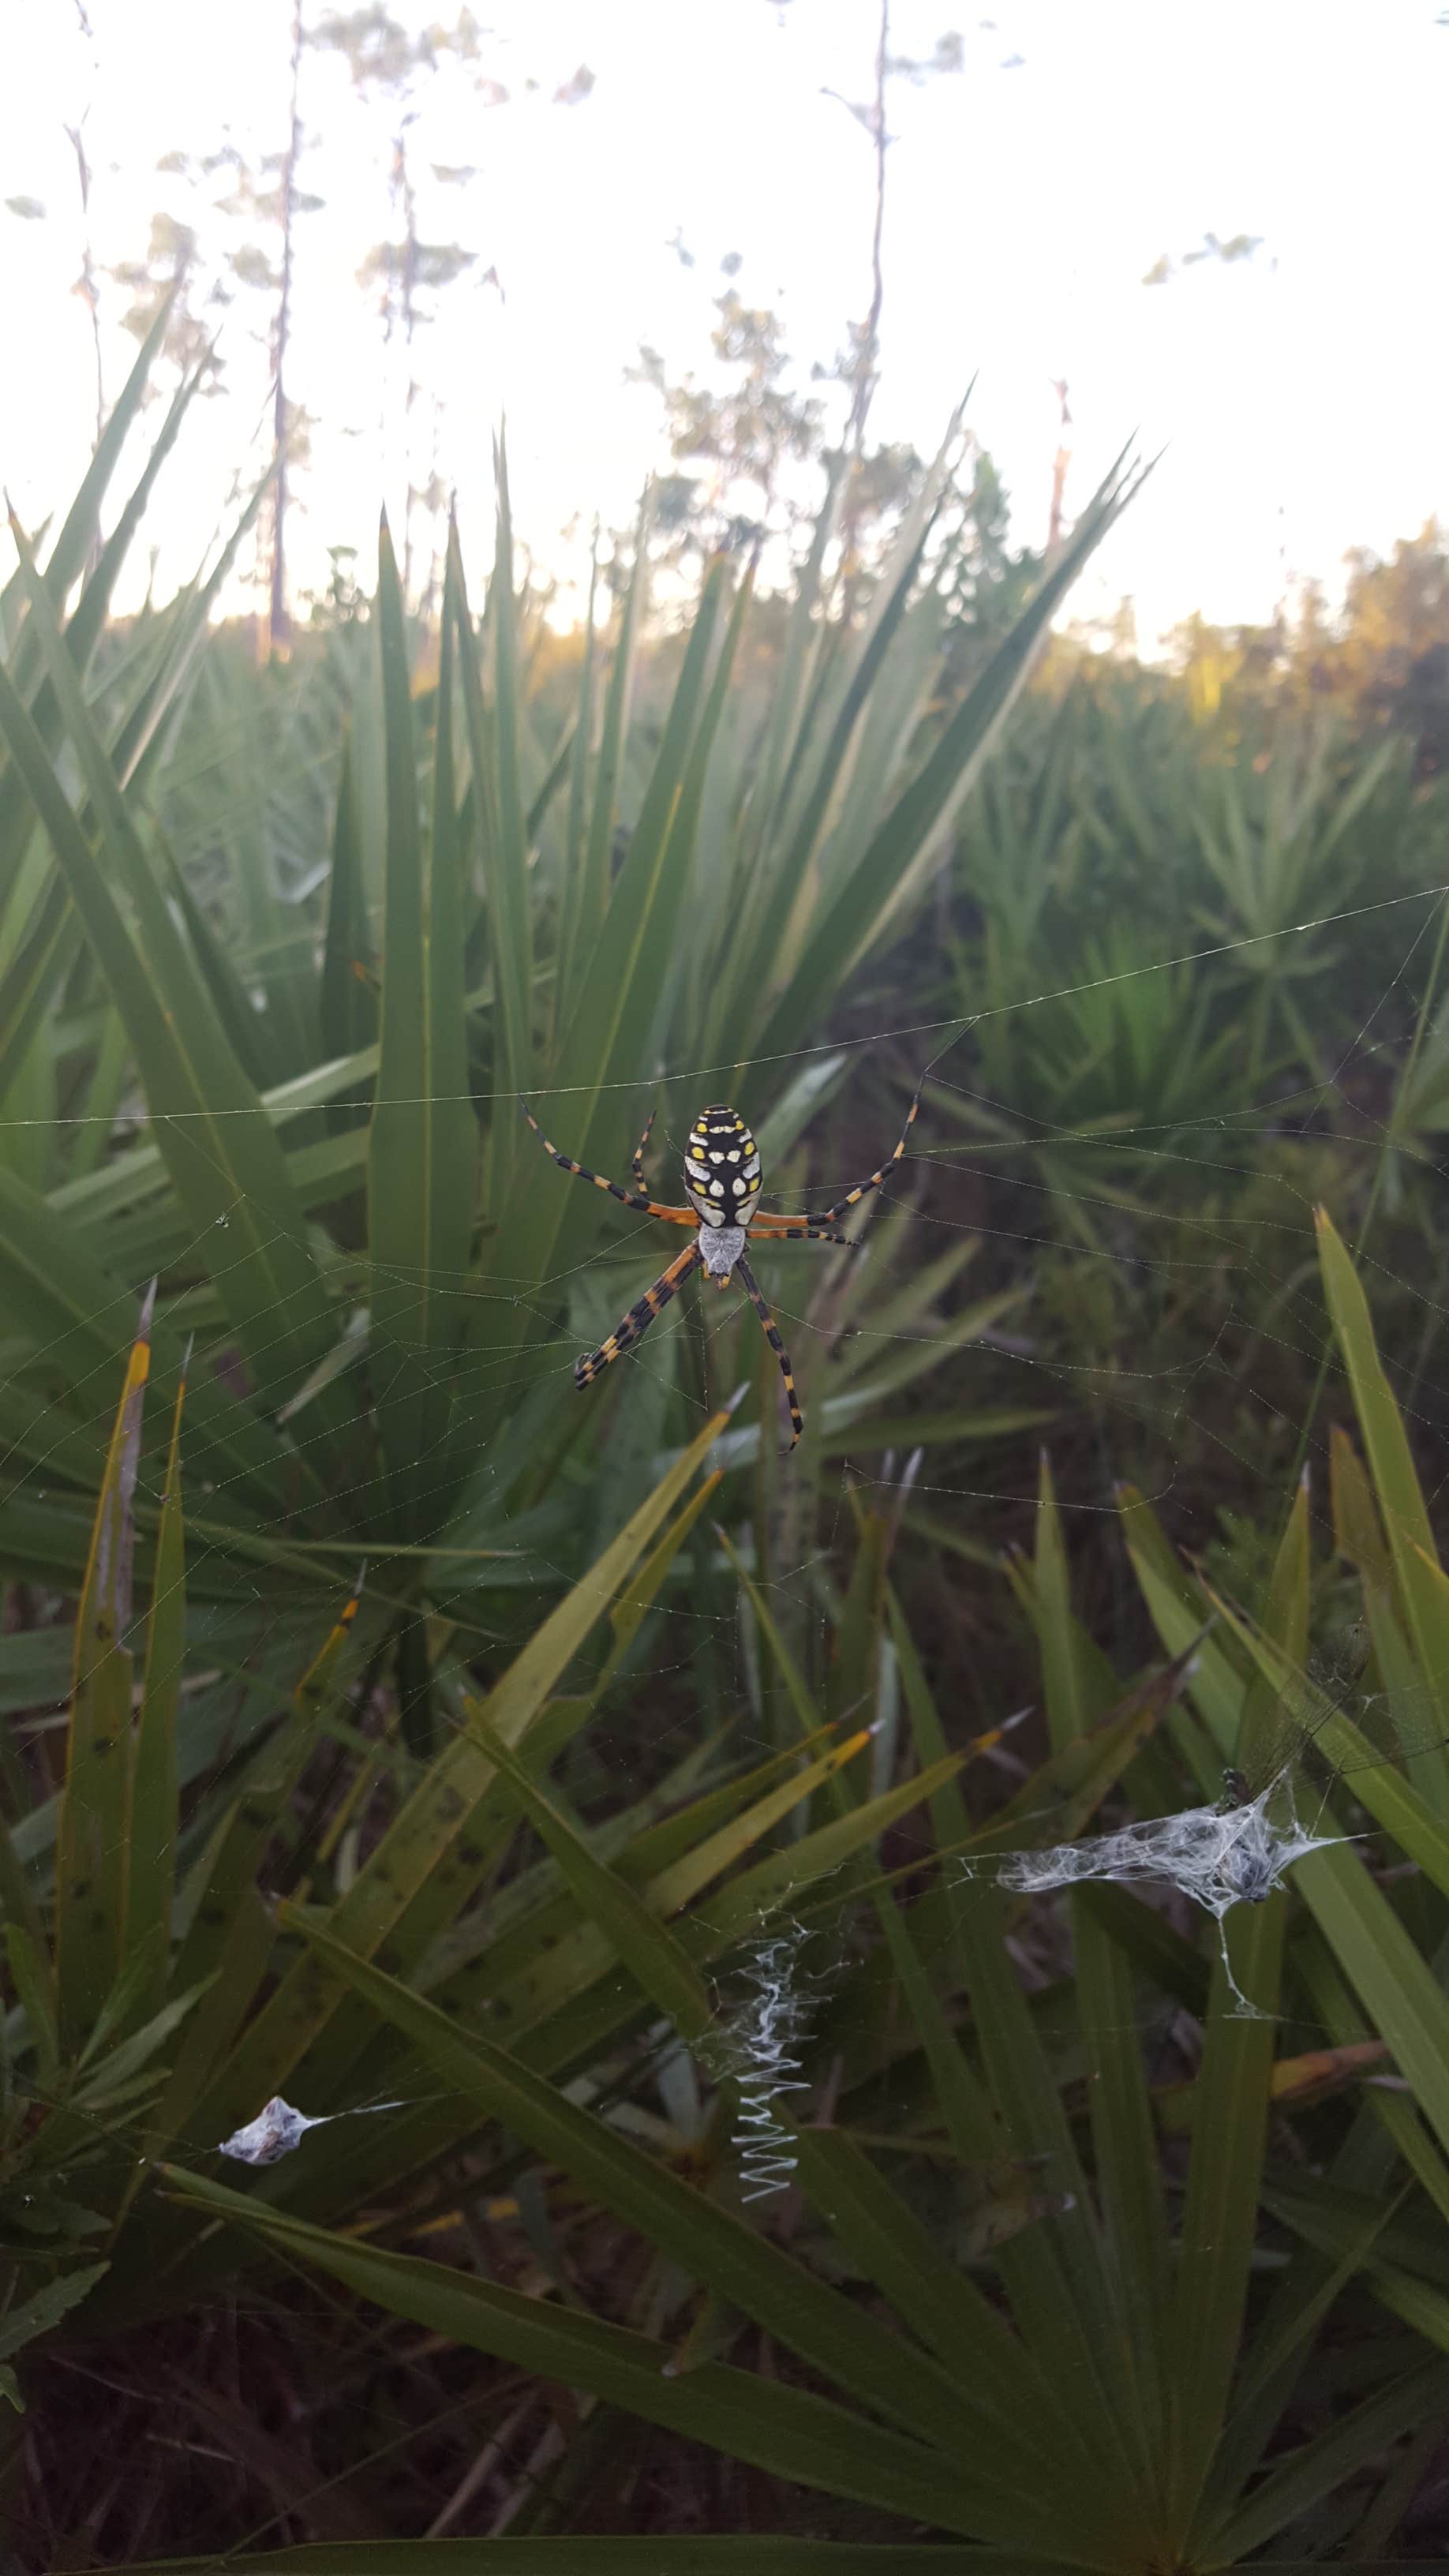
{"type": "Point", "coordinates": [1300, 395]}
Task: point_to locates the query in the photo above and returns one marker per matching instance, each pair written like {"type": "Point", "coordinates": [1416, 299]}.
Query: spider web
{"type": "Point", "coordinates": [773, 2034]}
{"type": "Point", "coordinates": [1159, 1400]}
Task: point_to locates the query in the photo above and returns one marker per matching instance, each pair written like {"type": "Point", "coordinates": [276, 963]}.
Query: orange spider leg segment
{"type": "Point", "coordinates": [639, 1318]}
{"type": "Point", "coordinates": [627, 1198]}
{"type": "Point", "coordinates": [799, 1229]}
{"type": "Point", "coordinates": [751, 1288]}
{"type": "Point", "coordinates": [636, 1164]}
{"type": "Point", "coordinates": [832, 1215]}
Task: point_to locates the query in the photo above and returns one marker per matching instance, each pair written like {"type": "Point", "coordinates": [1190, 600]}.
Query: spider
{"type": "Point", "coordinates": [722, 1185]}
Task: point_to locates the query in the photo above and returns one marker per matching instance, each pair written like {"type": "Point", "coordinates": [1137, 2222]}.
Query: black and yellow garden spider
{"type": "Point", "coordinates": [722, 1185]}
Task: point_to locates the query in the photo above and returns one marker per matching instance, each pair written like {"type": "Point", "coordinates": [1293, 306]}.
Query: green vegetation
{"type": "Point", "coordinates": [626, 1718]}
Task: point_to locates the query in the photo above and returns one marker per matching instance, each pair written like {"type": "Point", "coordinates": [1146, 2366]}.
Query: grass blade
{"type": "Point", "coordinates": [423, 1137]}
{"type": "Point", "coordinates": [224, 1157]}
{"type": "Point", "coordinates": [90, 1837]}
{"type": "Point", "coordinates": [414, 1855]}
{"type": "Point", "coordinates": [785, 2430]}
{"type": "Point", "coordinates": [1230, 2131]}
{"type": "Point", "coordinates": [716, 2248]}
{"type": "Point", "coordinates": [844, 927]}
{"type": "Point", "coordinates": [151, 1808]}
{"type": "Point", "coordinates": [593, 895]}
{"type": "Point", "coordinates": [347, 1009]}
{"type": "Point", "coordinates": [1422, 1588]}
{"type": "Point", "coordinates": [644, 1944]}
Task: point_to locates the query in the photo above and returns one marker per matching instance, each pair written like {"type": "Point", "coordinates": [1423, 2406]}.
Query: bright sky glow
{"type": "Point", "coordinates": [1299, 395]}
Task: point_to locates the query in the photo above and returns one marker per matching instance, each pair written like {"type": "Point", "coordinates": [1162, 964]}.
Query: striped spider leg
{"type": "Point", "coordinates": [771, 1330]}
{"type": "Point", "coordinates": [636, 1164]}
{"type": "Point", "coordinates": [722, 1185]}
{"type": "Point", "coordinates": [639, 1318]}
{"type": "Point", "coordinates": [821, 1227]}
{"type": "Point", "coordinates": [637, 1198]}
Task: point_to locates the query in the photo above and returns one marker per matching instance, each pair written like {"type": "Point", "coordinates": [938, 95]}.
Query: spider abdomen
{"type": "Point", "coordinates": [722, 1174]}
{"type": "Point", "coordinates": [720, 1247]}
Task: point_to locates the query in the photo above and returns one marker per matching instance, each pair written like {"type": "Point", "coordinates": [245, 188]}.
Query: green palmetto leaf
{"type": "Point", "coordinates": [65, 565]}
{"type": "Point", "coordinates": [347, 1011]}
{"type": "Point", "coordinates": [76, 1313]}
{"type": "Point", "coordinates": [567, 2009]}
{"type": "Point", "coordinates": [1422, 1586]}
{"type": "Point", "coordinates": [369, 2158]}
{"type": "Point", "coordinates": [228, 995]}
{"type": "Point", "coordinates": [842, 928]}
{"type": "Point", "coordinates": [510, 890]}
{"type": "Point", "coordinates": [825, 689]}
{"type": "Point", "coordinates": [99, 1097]}
{"type": "Point", "coordinates": [249, 740]}
{"type": "Point", "coordinates": [1230, 2125]}
{"type": "Point", "coordinates": [1397, 1986]}
{"type": "Point", "coordinates": [1067, 1672]}
{"type": "Point", "coordinates": [53, 934]}
{"type": "Point", "coordinates": [580, 747]}
{"type": "Point", "coordinates": [1385, 1969]}
{"type": "Point", "coordinates": [142, 739]}
{"type": "Point", "coordinates": [578, 2555]}
{"type": "Point", "coordinates": [90, 1839]}
{"type": "Point", "coordinates": [606, 1047]}
{"type": "Point", "coordinates": [889, 2375]}
{"type": "Point", "coordinates": [230, 1933]}
{"type": "Point", "coordinates": [1180, 1608]}
{"type": "Point", "coordinates": [643, 1943]}
{"type": "Point", "coordinates": [789, 885]}
{"type": "Point", "coordinates": [1061, 1798]}
{"type": "Point", "coordinates": [1378, 1785]}
{"type": "Point", "coordinates": [1137, 2254]}
{"type": "Point", "coordinates": [669, 1863]}
{"type": "Point", "coordinates": [1057, 2273]}
{"type": "Point", "coordinates": [223, 1156]}
{"type": "Point", "coordinates": [152, 1797]}
{"type": "Point", "coordinates": [1319, 2468]}
{"type": "Point", "coordinates": [44, 952]}
{"type": "Point", "coordinates": [45, 948]}
{"type": "Point", "coordinates": [543, 1975]}
{"type": "Point", "coordinates": [1078, 1688]}
{"type": "Point", "coordinates": [31, 1969]}
{"type": "Point", "coordinates": [1019, 2407]}
{"type": "Point", "coordinates": [87, 625]}
{"type": "Point", "coordinates": [504, 861]}
{"type": "Point", "coordinates": [592, 900]}
{"type": "Point", "coordinates": [784, 2429]}
{"type": "Point", "coordinates": [1362, 1544]}
{"type": "Point", "coordinates": [777, 1880]}
{"type": "Point", "coordinates": [423, 1138]}
{"type": "Point", "coordinates": [1274, 2359]}
{"type": "Point", "coordinates": [787, 737]}
{"type": "Point", "coordinates": [36, 2316]}
{"type": "Point", "coordinates": [139, 1180]}
{"type": "Point", "coordinates": [807, 1715]}
{"type": "Point", "coordinates": [434, 1829]}
{"type": "Point", "coordinates": [636, 937]}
